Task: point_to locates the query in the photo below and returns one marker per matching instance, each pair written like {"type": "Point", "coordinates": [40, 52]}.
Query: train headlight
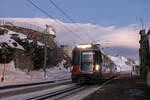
{"type": "Point", "coordinates": [84, 46]}
{"type": "Point", "coordinates": [97, 67]}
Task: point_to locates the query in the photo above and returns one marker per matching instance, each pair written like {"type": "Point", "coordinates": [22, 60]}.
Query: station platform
{"type": "Point", "coordinates": [123, 88]}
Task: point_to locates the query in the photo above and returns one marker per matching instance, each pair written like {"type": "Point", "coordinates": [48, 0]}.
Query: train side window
{"type": "Point", "coordinates": [76, 58]}
{"type": "Point", "coordinates": [98, 58]}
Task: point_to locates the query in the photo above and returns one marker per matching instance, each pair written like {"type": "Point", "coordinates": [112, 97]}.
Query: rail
{"type": "Point", "coordinates": [30, 84]}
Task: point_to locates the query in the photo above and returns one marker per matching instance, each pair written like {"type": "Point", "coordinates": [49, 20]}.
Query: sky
{"type": "Point", "coordinates": [101, 12]}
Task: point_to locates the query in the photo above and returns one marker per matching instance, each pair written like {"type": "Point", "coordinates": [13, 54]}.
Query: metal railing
{"type": "Point", "coordinates": [22, 24]}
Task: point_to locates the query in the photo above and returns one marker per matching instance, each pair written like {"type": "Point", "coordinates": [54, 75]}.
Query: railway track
{"type": "Point", "coordinates": [11, 90]}
{"type": "Point", "coordinates": [59, 94]}
{"type": "Point", "coordinates": [55, 93]}
{"type": "Point", "coordinates": [52, 91]}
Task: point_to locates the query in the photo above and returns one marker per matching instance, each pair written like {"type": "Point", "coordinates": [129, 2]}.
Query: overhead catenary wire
{"type": "Point", "coordinates": [68, 17]}
{"type": "Point", "coordinates": [32, 3]}
{"type": "Point", "coordinates": [64, 13]}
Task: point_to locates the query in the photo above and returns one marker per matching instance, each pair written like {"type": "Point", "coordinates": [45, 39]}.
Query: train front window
{"type": "Point", "coordinates": [87, 61]}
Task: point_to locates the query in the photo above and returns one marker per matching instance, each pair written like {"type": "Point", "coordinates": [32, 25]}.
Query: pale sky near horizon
{"type": "Point", "coordinates": [101, 12]}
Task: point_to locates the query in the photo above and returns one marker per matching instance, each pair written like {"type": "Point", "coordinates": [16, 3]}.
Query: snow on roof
{"type": "Point", "coordinates": [14, 75]}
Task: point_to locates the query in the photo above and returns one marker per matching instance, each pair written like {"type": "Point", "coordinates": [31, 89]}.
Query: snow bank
{"type": "Point", "coordinates": [58, 72]}
{"type": "Point", "coordinates": [13, 75]}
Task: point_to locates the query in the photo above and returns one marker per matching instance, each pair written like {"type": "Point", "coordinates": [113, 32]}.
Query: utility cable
{"type": "Point", "coordinates": [32, 3]}
{"type": "Point", "coordinates": [67, 16]}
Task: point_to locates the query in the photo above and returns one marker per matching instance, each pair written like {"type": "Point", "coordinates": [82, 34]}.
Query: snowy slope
{"type": "Point", "coordinates": [122, 65]}
{"type": "Point", "coordinates": [6, 38]}
{"type": "Point", "coordinates": [123, 51]}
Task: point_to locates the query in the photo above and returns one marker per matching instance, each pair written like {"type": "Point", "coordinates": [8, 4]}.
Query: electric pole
{"type": "Point", "coordinates": [48, 31]}
{"type": "Point", "coordinates": [45, 50]}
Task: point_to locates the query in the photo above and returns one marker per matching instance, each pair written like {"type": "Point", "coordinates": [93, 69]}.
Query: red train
{"type": "Point", "coordinates": [90, 64]}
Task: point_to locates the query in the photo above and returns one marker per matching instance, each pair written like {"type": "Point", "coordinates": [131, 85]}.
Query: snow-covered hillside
{"type": "Point", "coordinates": [26, 47]}
{"type": "Point", "coordinates": [7, 38]}
{"type": "Point", "coordinates": [124, 65]}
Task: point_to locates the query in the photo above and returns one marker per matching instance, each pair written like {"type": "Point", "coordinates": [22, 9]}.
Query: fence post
{"type": "Point", "coordinates": [3, 75]}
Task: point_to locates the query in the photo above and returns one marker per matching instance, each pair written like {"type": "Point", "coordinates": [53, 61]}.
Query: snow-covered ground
{"type": "Point", "coordinates": [13, 75]}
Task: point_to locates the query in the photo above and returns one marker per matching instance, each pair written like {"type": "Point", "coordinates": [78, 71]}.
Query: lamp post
{"type": "Point", "coordinates": [46, 33]}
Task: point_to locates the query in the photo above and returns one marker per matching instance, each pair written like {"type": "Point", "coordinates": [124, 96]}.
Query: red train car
{"type": "Point", "coordinates": [90, 64]}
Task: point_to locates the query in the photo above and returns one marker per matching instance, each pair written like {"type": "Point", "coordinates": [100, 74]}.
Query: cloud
{"type": "Point", "coordinates": [80, 33]}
